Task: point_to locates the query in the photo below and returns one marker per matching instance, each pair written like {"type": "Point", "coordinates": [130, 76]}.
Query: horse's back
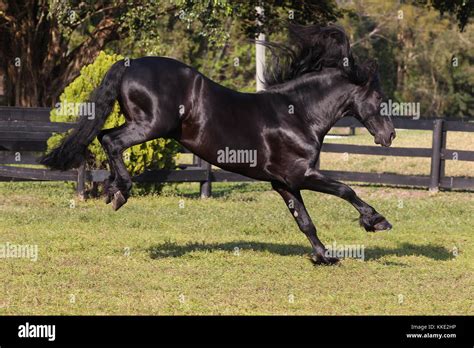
{"type": "Point", "coordinates": [160, 73]}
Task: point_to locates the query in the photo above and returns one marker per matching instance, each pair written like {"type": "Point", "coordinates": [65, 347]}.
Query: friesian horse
{"type": "Point", "coordinates": [311, 84]}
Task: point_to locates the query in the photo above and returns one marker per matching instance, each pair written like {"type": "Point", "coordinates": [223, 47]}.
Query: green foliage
{"type": "Point", "coordinates": [154, 154]}
{"type": "Point", "coordinates": [215, 36]}
{"type": "Point", "coordinates": [212, 14]}
{"type": "Point", "coordinates": [422, 57]}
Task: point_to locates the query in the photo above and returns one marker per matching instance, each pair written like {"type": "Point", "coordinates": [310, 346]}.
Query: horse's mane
{"type": "Point", "coordinates": [312, 48]}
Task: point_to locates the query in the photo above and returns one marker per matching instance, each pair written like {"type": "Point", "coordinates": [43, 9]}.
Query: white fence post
{"type": "Point", "coordinates": [260, 55]}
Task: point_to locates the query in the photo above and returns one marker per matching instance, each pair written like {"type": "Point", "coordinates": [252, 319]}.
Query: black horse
{"type": "Point", "coordinates": [312, 84]}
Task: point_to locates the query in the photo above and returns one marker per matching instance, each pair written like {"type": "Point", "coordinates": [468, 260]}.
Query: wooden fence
{"type": "Point", "coordinates": [24, 132]}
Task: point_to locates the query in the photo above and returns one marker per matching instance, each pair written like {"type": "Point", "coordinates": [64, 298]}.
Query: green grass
{"type": "Point", "coordinates": [190, 253]}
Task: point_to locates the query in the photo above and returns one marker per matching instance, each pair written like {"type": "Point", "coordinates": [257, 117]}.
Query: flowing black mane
{"type": "Point", "coordinates": [312, 48]}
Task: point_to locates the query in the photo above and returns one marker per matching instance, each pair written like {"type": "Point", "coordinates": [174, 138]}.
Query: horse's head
{"type": "Point", "coordinates": [367, 102]}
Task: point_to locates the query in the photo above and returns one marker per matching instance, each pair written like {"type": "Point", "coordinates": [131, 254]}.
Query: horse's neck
{"type": "Point", "coordinates": [332, 107]}
{"type": "Point", "coordinates": [325, 99]}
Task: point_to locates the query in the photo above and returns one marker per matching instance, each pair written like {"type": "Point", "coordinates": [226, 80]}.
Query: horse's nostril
{"type": "Point", "coordinates": [393, 135]}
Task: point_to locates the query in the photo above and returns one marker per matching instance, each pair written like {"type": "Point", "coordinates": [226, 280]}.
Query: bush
{"type": "Point", "coordinates": [154, 154]}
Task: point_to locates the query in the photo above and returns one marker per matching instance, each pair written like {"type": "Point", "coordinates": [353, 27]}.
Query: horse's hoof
{"type": "Point", "coordinates": [374, 223]}
{"type": "Point", "coordinates": [382, 226]}
{"type": "Point", "coordinates": [118, 200]}
{"type": "Point", "coordinates": [320, 259]}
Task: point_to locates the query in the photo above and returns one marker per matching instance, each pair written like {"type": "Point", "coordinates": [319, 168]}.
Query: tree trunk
{"type": "Point", "coordinates": [34, 53]}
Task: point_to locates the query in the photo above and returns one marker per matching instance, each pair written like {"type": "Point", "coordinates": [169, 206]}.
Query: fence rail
{"type": "Point", "coordinates": [25, 131]}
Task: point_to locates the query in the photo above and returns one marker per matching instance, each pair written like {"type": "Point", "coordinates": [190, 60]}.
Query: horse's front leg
{"type": "Point", "coordinates": [295, 204]}
{"type": "Point", "coordinates": [370, 219]}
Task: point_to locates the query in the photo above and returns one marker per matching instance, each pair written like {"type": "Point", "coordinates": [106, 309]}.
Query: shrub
{"type": "Point", "coordinates": [154, 154]}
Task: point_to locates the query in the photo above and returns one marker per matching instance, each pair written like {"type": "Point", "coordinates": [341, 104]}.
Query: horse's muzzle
{"type": "Point", "coordinates": [385, 140]}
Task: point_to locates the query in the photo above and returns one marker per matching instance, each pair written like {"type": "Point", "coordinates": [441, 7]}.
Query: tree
{"type": "Point", "coordinates": [44, 44]}
{"type": "Point", "coordinates": [423, 57]}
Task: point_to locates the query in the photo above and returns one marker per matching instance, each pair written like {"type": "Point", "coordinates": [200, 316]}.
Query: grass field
{"type": "Point", "coordinates": [237, 253]}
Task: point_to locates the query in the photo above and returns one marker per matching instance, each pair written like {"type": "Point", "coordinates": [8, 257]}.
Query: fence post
{"type": "Point", "coordinates": [444, 136]}
{"type": "Point", "coordinates": [196, 160]}
{"type": "Point", "coordinates": [81, 181]}
{"type": "Point", "coordinates": [205, 186]}
{"type": "Point", "coordinates": [436, 165]}
{"type": "Point", "coordinates": [260, 53]}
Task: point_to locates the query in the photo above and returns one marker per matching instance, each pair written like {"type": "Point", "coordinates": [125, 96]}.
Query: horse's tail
{"type": "Point", "coordinates": [72, 150]}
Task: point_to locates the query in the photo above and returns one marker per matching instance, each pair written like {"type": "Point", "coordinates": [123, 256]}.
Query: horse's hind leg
{"type": "Point", "coordinates": [114, 143]}
{"type": "Point", "coordinates": [295, 204]}
{"type": "Point", "coordinates": [111, 177]}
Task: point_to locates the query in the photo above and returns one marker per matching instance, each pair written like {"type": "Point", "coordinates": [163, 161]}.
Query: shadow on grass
{"type": "Point", "coordinates": [171, 249]}
{"type": "Point", "coordinates": [435, 252]}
